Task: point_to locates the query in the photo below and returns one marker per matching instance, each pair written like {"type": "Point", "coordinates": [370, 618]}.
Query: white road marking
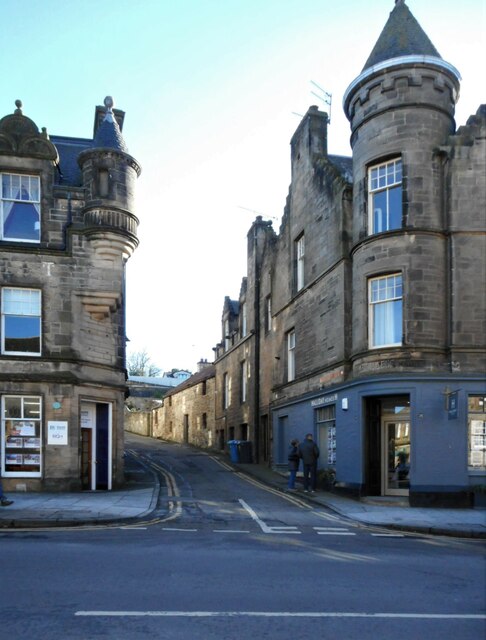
{"type": "Point", "coordinates": [230, 531]}
{"type": "Point", "coordinates": [282, 614]}
{"type": "Point", "coordinates": [330, 528]}
{"type": "Point", "coordinates": [388, 535]}
{"type": "Point", "coordinates": [133, 528]}
{"type": "Point", "coordinates": [176, 529]}
{"type": "Point", "coordinates": [264, 527]}
{"type": "Point", "coordinates": [335, 533]}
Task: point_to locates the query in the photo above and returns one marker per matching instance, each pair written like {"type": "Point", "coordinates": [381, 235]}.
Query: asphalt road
{"type": "Point", "coordinates": [226, 558]}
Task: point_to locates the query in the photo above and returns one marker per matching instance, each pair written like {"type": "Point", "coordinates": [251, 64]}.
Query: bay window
{"type": "Point", "coordinates": [385, 311]}
{"type": "Point", "coordinates": [385, 194]}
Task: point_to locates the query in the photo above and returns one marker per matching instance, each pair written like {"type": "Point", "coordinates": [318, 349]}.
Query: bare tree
{"type": "Point", "coordinates": [139, 364]}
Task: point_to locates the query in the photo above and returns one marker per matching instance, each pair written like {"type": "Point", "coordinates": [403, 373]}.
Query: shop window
{"type": "Point", "coordinates": [477, 432]}
{"type": "Point", "coordinates": [326, 428]}
{"type": "Point", "coordinates": [21, 321]}
{"type": "Point", "coordinates": [21, 436]}
{"type": "Point", "coordinates": [385, 311]}
{"type": "Point", "coordinates": [385, 193]}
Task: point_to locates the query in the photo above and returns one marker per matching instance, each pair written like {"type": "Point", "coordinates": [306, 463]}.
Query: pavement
{"type": "Point", "coordinates": [137, 501]}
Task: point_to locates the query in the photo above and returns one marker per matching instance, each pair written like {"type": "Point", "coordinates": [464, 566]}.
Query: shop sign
{"type": "Point", "coordinates": [57, 432]}
{"type": "Point", "coordinates": [324, 400]}
{"type": "Point", "coordinates": [452, 405]}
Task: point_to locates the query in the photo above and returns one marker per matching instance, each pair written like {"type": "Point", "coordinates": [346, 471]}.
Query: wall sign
{"type": "Point", "coordinates": [324, 400]}
{"type": "Point", "coordinates": [57, 432]}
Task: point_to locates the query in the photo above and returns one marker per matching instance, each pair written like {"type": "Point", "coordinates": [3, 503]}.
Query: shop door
{"type": "Point", "coordinates": [95, 446]}
{"type": "Point", "coordinates": [396, 457]}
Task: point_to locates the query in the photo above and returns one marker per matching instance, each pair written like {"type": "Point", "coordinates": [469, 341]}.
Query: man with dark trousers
{"type": "Point", "coordinates": [309, 452]}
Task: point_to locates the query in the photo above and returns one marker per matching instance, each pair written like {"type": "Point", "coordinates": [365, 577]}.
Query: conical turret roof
{"type": "Point", "coordinates": [401, 36]}
{"type": "Point", "coordinates": [108, 134]}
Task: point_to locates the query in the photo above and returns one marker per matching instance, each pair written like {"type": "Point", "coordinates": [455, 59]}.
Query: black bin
{"type": "Point", "coordinates": [244, 450]}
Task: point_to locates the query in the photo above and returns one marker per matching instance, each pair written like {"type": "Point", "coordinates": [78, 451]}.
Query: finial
{"type": "Point", "coordinates": [108, 102]}
{"type": "Point", "coordinates": [18, 110]}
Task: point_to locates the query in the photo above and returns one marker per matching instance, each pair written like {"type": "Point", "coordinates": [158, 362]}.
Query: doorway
{"type": "Point", "coordinates": [396, 457]}
{"type": "Point", "coordinates": [96, 446]}
{"type": "Point", "coordinates": [388, 446]}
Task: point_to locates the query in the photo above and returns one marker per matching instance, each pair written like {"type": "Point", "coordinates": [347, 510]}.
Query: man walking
{"type": "Point", "coordinates": [309, 452]}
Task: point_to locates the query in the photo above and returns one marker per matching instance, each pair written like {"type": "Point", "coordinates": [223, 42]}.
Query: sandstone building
{"type": "Point", "coordinates": [67, 229]}
{"type": "Point", "coordinates": [363, 321]}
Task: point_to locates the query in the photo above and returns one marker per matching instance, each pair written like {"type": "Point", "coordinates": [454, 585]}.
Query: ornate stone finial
{"type": "Point", "coordinates": [108, 102]}
{"type": "Point", "coordinates": [18, 110]}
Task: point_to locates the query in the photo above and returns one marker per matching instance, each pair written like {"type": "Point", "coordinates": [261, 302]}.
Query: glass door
{"type": "Point", "coordinates": [396, 457]}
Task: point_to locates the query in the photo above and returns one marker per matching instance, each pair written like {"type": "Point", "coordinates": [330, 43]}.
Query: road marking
{"type": "Point", "coordinates": [264, 527]}
{"type": "Point", "coordinates": [331, 528]}
{"type": "Point", "coordinates": [282, 614]}
{"type": "Point", "coordinates": [230, 531]}
{"type": "Point", "coordinates": [388, 535]}
{"type": "Point", "coordinates": [176, 529]}
{"type": "Point", "coordinates": [335, 533]}
{"type": "Point", "coordinates": [133, 528]}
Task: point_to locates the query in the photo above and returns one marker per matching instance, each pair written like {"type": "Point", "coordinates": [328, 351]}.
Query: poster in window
{"type": "Point", "coordinates": [22, 429]}
{"type": "Point", "coordinates": [14, 458]}
{"type": "Point", "coordinates": [31, 443]}
{"type": "Point", "coordinates": [13, 443]}
{"type": "Point", "coordinates": [32, 459]}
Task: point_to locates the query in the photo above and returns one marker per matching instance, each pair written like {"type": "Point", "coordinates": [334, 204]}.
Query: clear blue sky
{"type": "Point", "coordinates": [210, 90]}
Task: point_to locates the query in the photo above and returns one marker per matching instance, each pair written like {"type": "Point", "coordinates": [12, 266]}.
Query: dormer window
{"type": "Point", "coordinates": [385, 192]}
{"type": "Point", "coordinates": [20, 208]}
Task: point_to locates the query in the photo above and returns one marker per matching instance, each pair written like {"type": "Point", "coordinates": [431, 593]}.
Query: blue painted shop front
{"type": "Point", "coordinates": [419, 437]}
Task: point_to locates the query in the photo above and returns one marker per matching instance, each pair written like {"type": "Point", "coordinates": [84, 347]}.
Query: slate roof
{"type": "Point", "coordinates": [69, 150]}
{"type": "Point", "coordinates": [401, 36]}
{"type": "Point", "coordinates": [109, 136]}
{"type": "Point", "coordinates": [344, 165]}
{"type": "Point", "coordinates": [207, 372]}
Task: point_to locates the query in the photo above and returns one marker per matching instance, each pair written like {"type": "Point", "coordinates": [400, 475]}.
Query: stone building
{"type": "Point", "coordinates": [67, 229]}
{"type": "Point", "coordinates": [187, 413]}
{"type": "Point", "coordinates": [363, 320]}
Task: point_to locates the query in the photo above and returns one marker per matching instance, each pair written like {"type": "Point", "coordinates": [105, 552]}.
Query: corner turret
{"type": "Point", "coordinates": [109, 176]}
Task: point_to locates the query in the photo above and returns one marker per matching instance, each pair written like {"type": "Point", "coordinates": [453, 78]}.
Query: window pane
{"type": "Point", "coordinates": [21, 221]}
{"type": "Point", "coordinates": [25, 302]}
{"type": "Point", "coordinates": [22, 334]}
{"type": "Point", "coordinates": [12, 407]}
{"type": "Point", "coordinates": [31, 407]}
{"type": "Point", "coordinates": [379, 212]}
{"type": "Point", "coordinates": [395, 208]}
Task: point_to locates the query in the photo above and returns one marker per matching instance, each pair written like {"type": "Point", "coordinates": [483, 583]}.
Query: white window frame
{"type": "Point", "coordinates": [226, 337]}
{"type": "Point", "coordinates": [26, 182]}
{"type": "Point", "coordinates": [382, 179]}
{"type": "Point", "coordinates": [386, 294]}
{"type": "Point", "coordinates": [226, 391]}
{"type": "Point", "coordinates": [23, 310]}
{"type": "Point", "coordinates": [291, 355]}
{"type": "Point", "coordinates": [300, 260]}
{"type": "Point", "coordinates": [244, 328]}
{"type": "Point", "coordinates": [22, 419]}
{"type": "Point", "coordinates": [476, 421]}
{"type": "Point", "coordinates": [268, 312]}
{"type": "Point", "coordinates": [244, 380]}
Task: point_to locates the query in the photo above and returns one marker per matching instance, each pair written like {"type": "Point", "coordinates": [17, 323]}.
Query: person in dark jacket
{"type": "Point", "coordinates": [294, 461]}
{"type": "Point", "coordinates": [309, 452]}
